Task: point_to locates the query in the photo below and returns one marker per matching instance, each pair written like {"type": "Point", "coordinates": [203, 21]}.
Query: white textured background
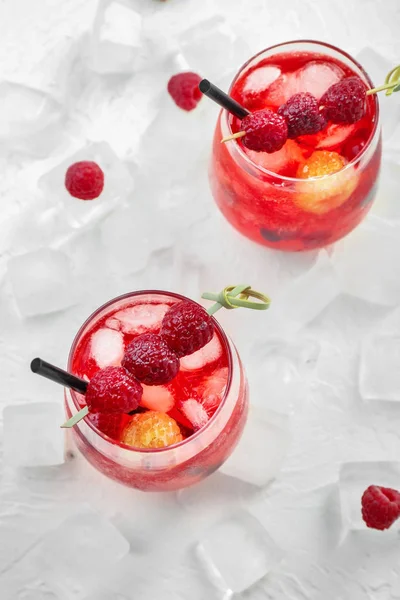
{"type": "Point", "coordinates": [311, 374]}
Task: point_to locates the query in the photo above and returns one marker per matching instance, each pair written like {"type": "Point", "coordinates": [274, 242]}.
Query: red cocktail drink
{"type": "Point", "coordinates": [283, 199]}
{"type": "Point", "coordinates": [204, 406]}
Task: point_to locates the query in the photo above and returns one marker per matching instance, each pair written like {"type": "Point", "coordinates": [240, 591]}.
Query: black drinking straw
{"type": "Point", "coordinates": [213, 92]}
{"type": "Point", "coordinates": [45, 369]}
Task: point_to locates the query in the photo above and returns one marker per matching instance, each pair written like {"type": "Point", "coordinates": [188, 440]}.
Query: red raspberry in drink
{"type": "Point", "coordinates": [110, 423]}
{"type": "Point", "coordinates": [84, 180]}
{"type": "Point", "coordinates": [344, 102]}
{"type": "Point", "coordinates": [150, 360]}
{"type": "Point", "coordinates": [265, 131]}
{"type": "Point", "coordinates": [113, 390]}
{"type": "Point", "coordinates": [302, 115]}
{"type": "Point", "coordinates": [186, 327]}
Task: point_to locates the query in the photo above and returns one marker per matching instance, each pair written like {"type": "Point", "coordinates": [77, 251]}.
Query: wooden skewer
{"type": "Point", "coordinates": [234, 136]}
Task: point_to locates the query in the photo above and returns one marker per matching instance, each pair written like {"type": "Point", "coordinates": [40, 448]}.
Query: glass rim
{"type": "Point", "coordinates": [352, 162]}
{"type": "Point", "coordinates": [196, 434]}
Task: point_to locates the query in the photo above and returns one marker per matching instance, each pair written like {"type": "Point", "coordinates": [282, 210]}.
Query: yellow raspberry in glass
{"type": "Point", "coordinates": [332, 187]}
{"type": "Point", "coordinates": [151, 429]}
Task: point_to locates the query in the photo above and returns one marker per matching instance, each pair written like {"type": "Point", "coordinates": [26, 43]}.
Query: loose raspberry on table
{"type": "Point", "coordinates": [302, 115]}
{"type": "Point", "coordinates": [345, 101]}
{"type": "Point", "coordinates": [265, 131]}
{"type": "Point", "coordinates": [184, 89]}
{"type": "Point", "coordinates": [110, 424]}
{"type": "Point", "coordinates": [113, 390]}
{"type": "Point", "coordinates": [151, 429]}
{"type": "Point", "coordinates": [150, 360]}
{"type": "Point", "coordinates": [380, 507]}
{"type": "Point", "coordinates": [84, 180]}
{"type": "Point", "coordinates": [186, 327]}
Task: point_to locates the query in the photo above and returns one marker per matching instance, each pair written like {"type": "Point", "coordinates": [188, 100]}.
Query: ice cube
{"type": "Point", "coordinates": [212, 389]}
{"type": "Point", "coordinates": [116, 38]}
{"type": "Point", "coordinates": [260, 79]}
{"type": "Point", "coordinates": [140, 318]}
{"type": "Point", "coordinates": [32, 434]}
{"type": "Point", "coordinates": [206, 355]}
{"type": "Point", "coordinates": [280, 373]}
{"type": "Point", "coordinates": [42, 282]}
{"type": "Point", "coordinates": [157, 397]}
{"type": "Point", "coordinates": [195, 412]}
{"type": "Point", "coordinates": [379, 375]}
{"type": "Point", "coordinates": [28, 118]}
{"type": "Point", "coordinates": [364, 262]}
{"type": "Point", "coordinates": [313, 292]}
{"type": "Point", "coordinates": [262, 448]}
{"type": "Point", "coordinates": [334, 135]}
{"type": "Point", "coordinates": [240, 550]}
{"type": "Point", "coordinates": [118, 184]}
{"type": "Point", "coordinates": [107, 347]}
{"type": "Point", "coordinates": [72, 557]}
{"type": "Point", "coordinates": [316, 77]}
{"type": "Point", "coordinates": [377, 67]}
{"type": "Point", "coordinates": [354, 479]}
{"type": "Point", "coordinates": [211, 48]}
{"type": "Point", "coordinates": [131, 235]}
{"type": "Point", "coordinates": [278, 162]}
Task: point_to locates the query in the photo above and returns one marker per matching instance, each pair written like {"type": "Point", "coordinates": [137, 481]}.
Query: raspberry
{"type": "Point", "coordinates": [265, 131]}
{"type": "Point", "coordinates": [109, 424]}
{"type": "Point", "coordinates": [380, 507]}
{"type": "Point", "coordinates": [113, 390]}
{"type": "Point", "coordinates": [186, 327]}
{"type": "Point", "coordinates": [84, 180]}
{"type": "Point", "coordinates": [320, 163]}
{"type": "Point", "coordinates": [344, 102]}
{"type": "Point", "coordinates": [150, 360]}
{"type": "Point", "coordinates": [302, 115]}
{"type": "Point", "coordinates": [184, 89]}
{"type": "Point", "coordinates": [323, 194]}
{"type": "Point", "coordinates": [151, 429]}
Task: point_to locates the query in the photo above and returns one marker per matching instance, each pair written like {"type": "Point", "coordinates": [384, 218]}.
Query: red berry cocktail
{"type": "Point", "coordinates": [171, 383]}
{"type": "Point", "coordinates": [318, 177]}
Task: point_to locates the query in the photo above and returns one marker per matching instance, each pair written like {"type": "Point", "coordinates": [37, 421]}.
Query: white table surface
{"type": "Point", "coordinates": [330, 424]}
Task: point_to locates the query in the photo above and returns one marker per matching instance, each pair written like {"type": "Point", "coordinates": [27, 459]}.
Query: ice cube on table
{"type": "Point", "coordinates": [137, 319]}
{"type": "Point", "coordinates": [27, 118]}
{"type": "Point", "coordinates": [42, 282]}
{"type": "Point", "coordinates": [365, 262]}
{"type": "Point", "coordinates": [116, 38]}
{"type": "Point", "coordinates": [107, 347]}
{"type": "Point", "coordinates": [377, 67]}
{"type": "Point", "coordinates": [74, 556]}
{"type": "Point", "coordinates": [211, 48]}
{"type": "Point", "coordinates": [280, 372]}
{"type": "Point", "coordinates": [262, 449]}
{"type": "Point", "coordinates": [354, 479]}
{"type": "Point", "coordinates": [118, 184]}
{"type": "Point", "coordinates": [131, 235]}
{"type": "Point", "coordinates": [300, 301]}
{"type": "Point", "coordinates": [32, 434]}
{"type": "Point", "coordinates": [379, 376]}
{"type": "Point", "coordinates": [240, 551]}
{"type": "Point", "coordinates": [206, 355]}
